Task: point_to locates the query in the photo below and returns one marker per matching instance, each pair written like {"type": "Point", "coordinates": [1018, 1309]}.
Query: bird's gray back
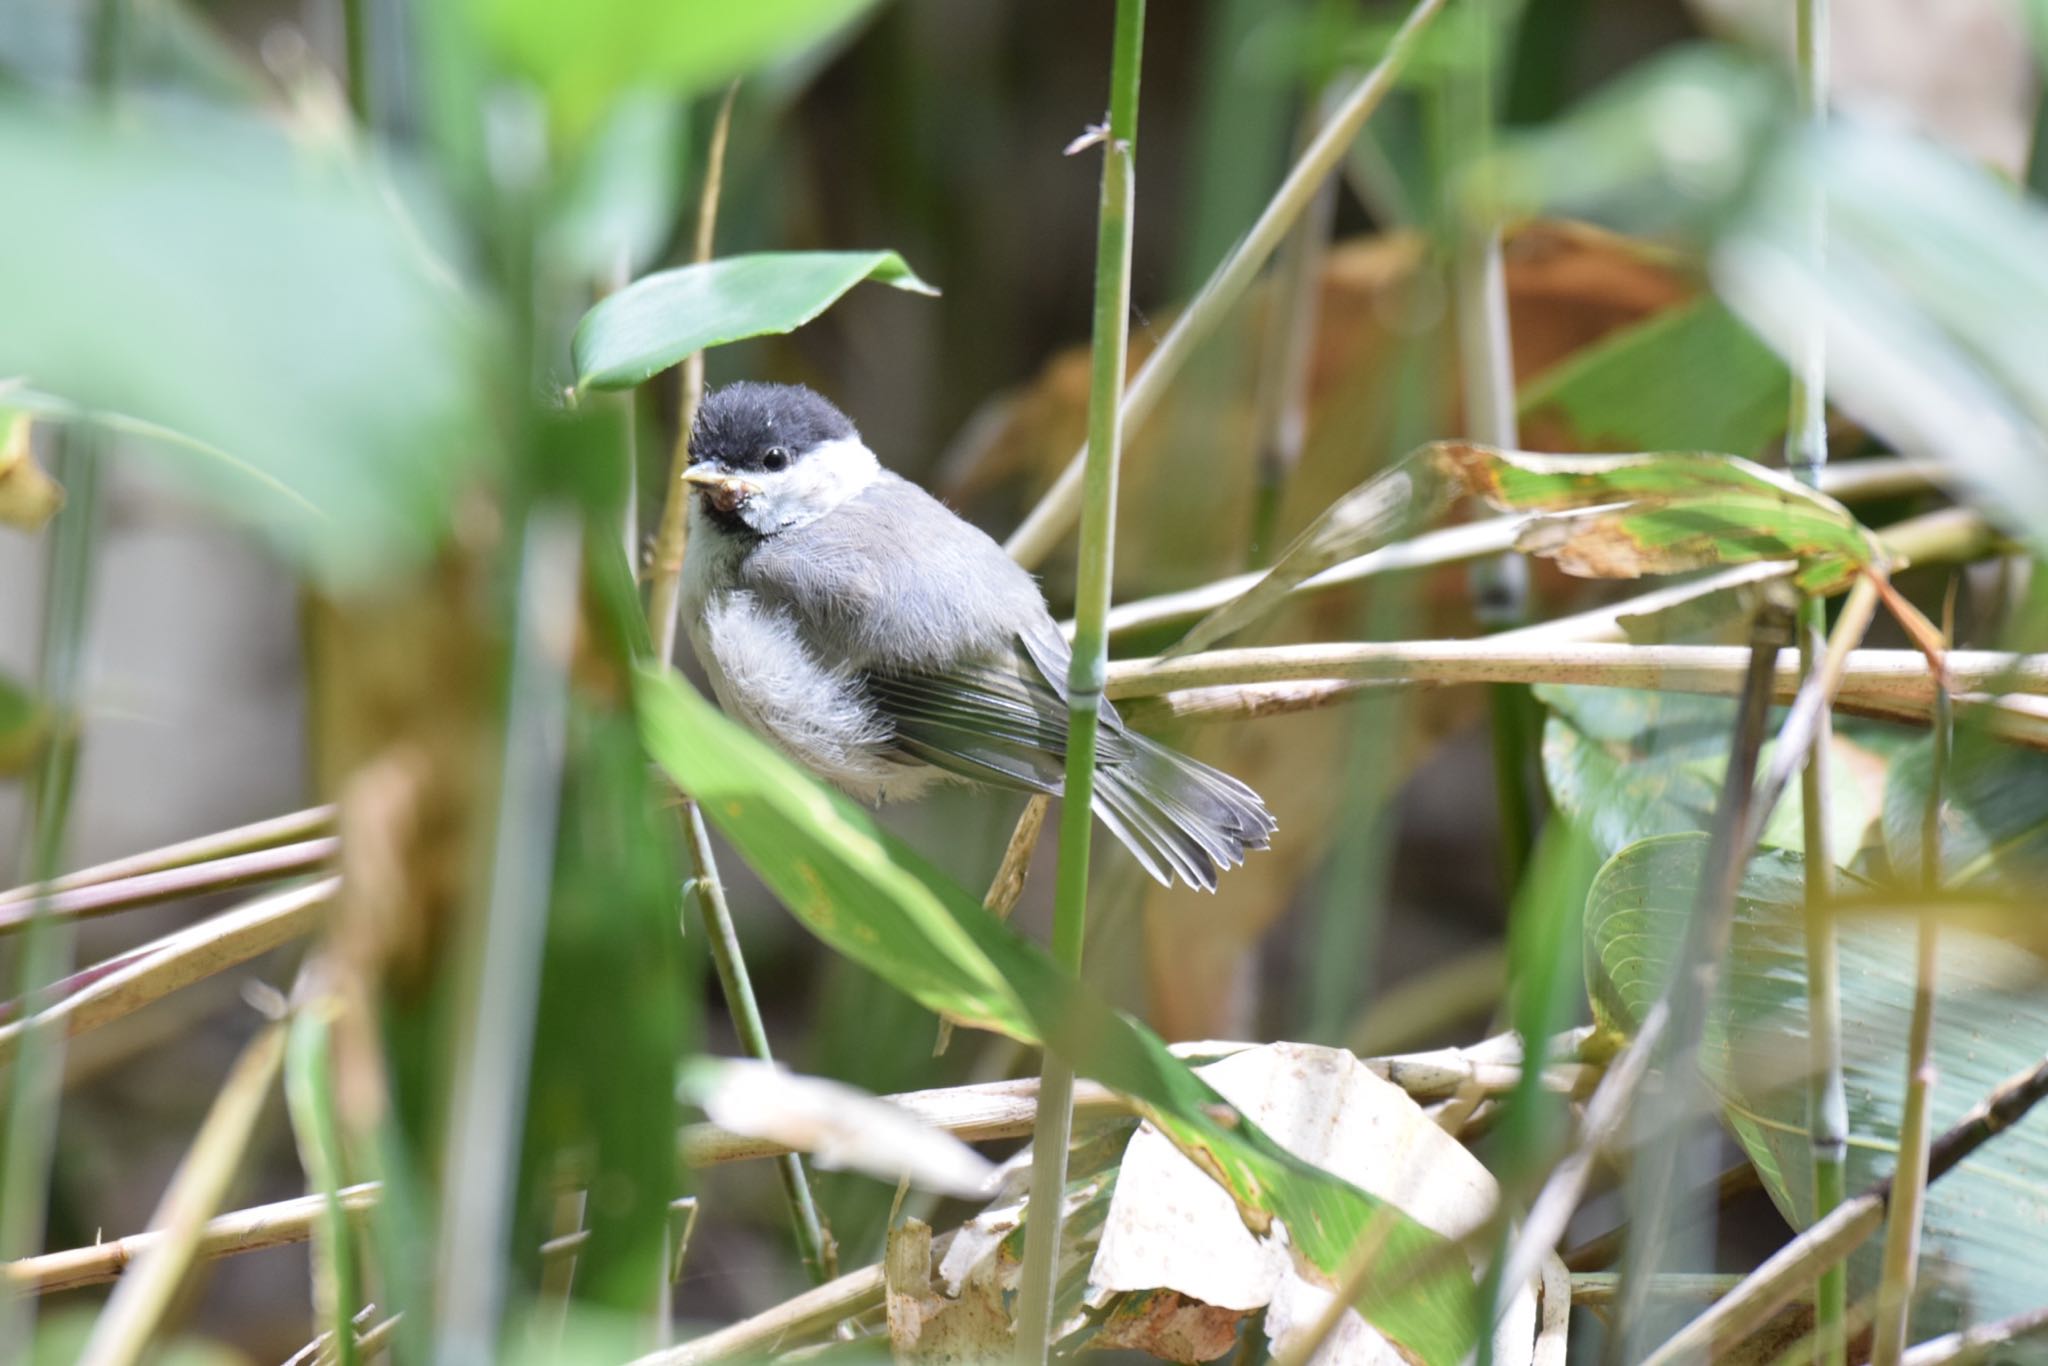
{"type": "Point", "coordinates": [893, 580]}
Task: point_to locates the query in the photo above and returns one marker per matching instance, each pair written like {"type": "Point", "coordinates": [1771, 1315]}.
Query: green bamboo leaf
{"type": "Point", "coordinates": [586, 54]}
{"type": "Point", "coordinates": [1994, 815]}
{"type": "Point", "coordinates": [1623, 516]}
{"type": "Point", "coordinates": [873, 899]}
{"type": "Point", "coordinates": [1983, 1222]}
{"type": "Point", "coordinates": [316, 1128]}
{"type": "Point", "coordinates": [659, 319]}
{"type": "Point", "coordinates": [1689, 378]}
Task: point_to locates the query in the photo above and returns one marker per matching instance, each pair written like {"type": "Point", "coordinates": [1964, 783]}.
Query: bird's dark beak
{"type": "Point", "coordinates": [726, 491]}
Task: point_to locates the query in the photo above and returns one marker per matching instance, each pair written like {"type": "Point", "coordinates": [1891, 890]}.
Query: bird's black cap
{"type": "Point", "coordinates": [738, 425]}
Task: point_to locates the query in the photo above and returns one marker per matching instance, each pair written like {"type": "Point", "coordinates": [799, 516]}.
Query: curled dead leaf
{"type": "Point", "coordinates": [1171, 1326]}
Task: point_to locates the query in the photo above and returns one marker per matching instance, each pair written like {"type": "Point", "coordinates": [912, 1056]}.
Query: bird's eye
{"type": "Point", "coordinates": [774, 458]}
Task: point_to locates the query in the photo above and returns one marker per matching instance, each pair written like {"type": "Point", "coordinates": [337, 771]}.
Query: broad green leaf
{"type": "Point", "coordinates": [1932, 294]}
{"type": "Point", "coordinates": [1627, 765]}
{"type": "Point", "coordinates": [1982, 1227]}
{"type": "Point", "coordinates": [659, 319]}
{"type": "Point", "coordinates": [870, 897]}
{"type": "Point", "coordinates": [24, 725]}
{"type": "Point", "coordinates": [198, 273]}
{"type": "Point", "coordinates": [28, 496]}
{"type": "Point", "coordinates": [586, 54]}
{"type": "Point", "coordinates": [1994, 815]}
{"type": "Point", "coordinates": [1623, 516]}
{"type": "Point", "coordinates": [1689, 378]}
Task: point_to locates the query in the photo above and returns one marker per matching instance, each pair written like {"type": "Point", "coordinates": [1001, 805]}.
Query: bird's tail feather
{"type": "Point", "coordinates": [1179, 817]}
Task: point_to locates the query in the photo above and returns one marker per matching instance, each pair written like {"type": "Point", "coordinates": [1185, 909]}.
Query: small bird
{"type": "Point", "coordinates": [887, 645]}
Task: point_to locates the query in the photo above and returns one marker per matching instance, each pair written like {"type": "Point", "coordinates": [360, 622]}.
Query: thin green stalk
{"type": "Point", "coordinates": [355, 31]}
{"type": "Point", "coordinates": [1286, 349]}
{"type": "Point", "coordinates": [1090, 666]}
{"type": "Point", "coordinates": [738, 988]}
{"type": "Point", "coordinates": [1909, 1180]}
{"type": "Point", "coordinates": [1806, 454]}
{"type": "Point", "coordinates": [1499, 585]}
{"type": "Point", "coordinates": [1678, 1091]}
{"type": "Point", "coordinates": [504, 940]}
{"type": "Point", "coordinates": [1827, 1105]}
{"type": "Point", "coordinates": [309, 1096]}
{"type": "Point", "coordinates": [663, 610]}
{"type": "Point", "coordinates": [30, 1124]}
{"type": "Point", "coordinates": [665, 583]}
{"type": "Point", "coordinates": [1039, 533]}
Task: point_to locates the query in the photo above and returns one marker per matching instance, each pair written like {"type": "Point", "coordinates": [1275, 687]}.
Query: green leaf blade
{"type": "Point", "coordinates": [659, 319]}
{"type": "Point", "coordinates": [1990, 1019]}
{"type": "Point", "coordinates": [873, 899]}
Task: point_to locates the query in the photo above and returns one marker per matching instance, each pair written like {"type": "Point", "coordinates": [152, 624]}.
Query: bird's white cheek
{"type": "Point", "coordinates": [819, 481]}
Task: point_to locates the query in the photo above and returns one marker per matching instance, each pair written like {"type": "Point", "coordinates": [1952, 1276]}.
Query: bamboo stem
{"type": "Point", "coordinates": [173, 884]}
{"type": "Point", "coordinates": [1058, 511]}
{"type": "Point", "coordinates": [1894, 679]}
{"type": "Point", "coordinates": [1909, 1181]}
{"type": "Point", "coordinates": [1806, 454]}
{"type": "Point", "coordinates": [1089, 664]}
{"type": "Point", "coordinates": [28, 1128]}
{"type": "Point", "coordinates": [177, 960]}
{"type": "Point", "coordinates": [1288, 345]}
{"type": "Point", "coordinates": [245, 839]}
{"type": "Point", "coordinates": [309, 1099]}
{"type": "Point", "coordinates": [664, 594]}
{"type": "Point", "coordinates": [744, 1008]}
{"type": "Point", "coordinates": [1827, 1104]}
{"type": "Point", "coordinates": [1498, 585]}
{"type": "Point", "coordinates": [1679, 1085]}
{"type": "Point", "coordinates": [664, 602]}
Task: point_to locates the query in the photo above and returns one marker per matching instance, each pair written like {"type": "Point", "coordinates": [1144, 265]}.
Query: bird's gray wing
{"type": "Point", "coordinates": [951, 642]}
{"type": "Point", "coordinates": [995, 719]}
{"type": "Point", "coordinates": [1003, 720]}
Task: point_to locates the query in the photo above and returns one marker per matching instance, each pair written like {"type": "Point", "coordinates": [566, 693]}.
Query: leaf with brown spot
{"type": "Point", "coordinates": [1624, 516]}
